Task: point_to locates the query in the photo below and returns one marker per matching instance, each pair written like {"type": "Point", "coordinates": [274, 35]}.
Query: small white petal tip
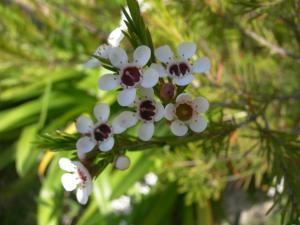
{"type": "Point", "coordinates": [122, 162]}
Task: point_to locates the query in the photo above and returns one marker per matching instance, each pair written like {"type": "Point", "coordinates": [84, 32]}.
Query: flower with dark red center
{"type": "Point", "coordinates": [77, 177]}
{"type": "Point", "coordinates": [100, 134]}
{"type": "Point", "coordinates": [131, 75]}
{"type": "Point", "coordinates": [148, 111]}
{"type": "Point", "coordinates": [185, 112]}
{"type": "Point", "coordinates": [180, 69]}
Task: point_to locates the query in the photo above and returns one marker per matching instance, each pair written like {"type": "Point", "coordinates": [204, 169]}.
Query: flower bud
{"type": "Point", "coordinates": [122, 162]}
{"type": "Point", "coordinates": [167, 92]}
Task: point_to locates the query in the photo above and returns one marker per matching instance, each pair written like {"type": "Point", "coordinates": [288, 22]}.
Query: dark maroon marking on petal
{"type": "Point", "coordinates": [147, 110]}
{"type": "Point", "coordinates": [184, 68]}
{"type": "Point", "coordinates": [130, 76]}
{"type": "Point", "coordinates": [174, 70]}
{"type": "Point", "coordinates": [82, 176]}
{"type": "Point", "coordinates": [184, 112]}
{"type": "Point", "coordinates": [179, 69]}
{"type": "Point", "coordinates": [102, 132]}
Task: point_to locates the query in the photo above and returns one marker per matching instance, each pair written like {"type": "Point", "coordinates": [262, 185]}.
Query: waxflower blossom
{"type": "Point", "coordinates": [100, 133]}
{"type": "Point", "coordinates": [147, 111]}
{"type": "Point", "coordinates": [185, 112]}
{"type": "Point", "coordinates": [131, 75]}
{"type": "Point", "coordinates": [180, 68]}
{"type": "Point", "coordinates": [78, 177]}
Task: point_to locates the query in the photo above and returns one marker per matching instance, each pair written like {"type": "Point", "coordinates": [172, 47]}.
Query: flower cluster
{"type": "Point", "coordinates": [143, 85]}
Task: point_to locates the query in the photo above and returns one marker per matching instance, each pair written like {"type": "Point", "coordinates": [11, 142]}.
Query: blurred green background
{"type": "Point", "coordinates": [228, 178]}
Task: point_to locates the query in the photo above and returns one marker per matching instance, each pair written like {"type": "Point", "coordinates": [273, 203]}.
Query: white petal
{"type": "Point", "coordinates": [141, 55]}
{"type": "Point", "coordinates": [108, 82]}
{"type": "Point", "coordinates": [103, 51]}
{"type": "Point", "coordinates": [160, 69]}
{"type": "Point", "coordinates": [146, 92]}
{"type": "Point", "coordinates": [117, 129]}
{"type": "Point", "coordinates": [201, 104]}
{"type": "Point", "coordinates": [67, 165]}
{"type": "Point", "coordinates": [201, 65]}
{"type": "Point", "coordinates": [122, 162]}
{"type": "Point", "coordinates": [101, 112]}
{"type": "Point", "coordinates": [178, 128]}
{"type": "Point", "coordinates": [69, 181]}
{"type": "Point", "coordinates": [93, 62]}
{"type": "Point", "coordinates": [118, 57]}
{"type": "Point", "coordinates": [81, 156]}
{"type": "Point", "coordinates": [169, 111]}
{"type": "Point", "coordinates": [164, 54]}
{"type": "Point", "coordinates": [123, 121]}
{"type": "Point", "coordinates": [107, 145]}
{"type": "Point", "coordinates": [184, 97]}
{"type": "Point", "coordinates": [82, 195]}
{"type": "Point", "coordinates": [146, 131]}
{"type": "Point", "coordinates": [198, 124]}
{"type": "Point", "coordinates": [185, 80]}
{"type": "Point", "coordinates": [160, 111]}
{"type": "Point", "coordinates": [89, 187]}
{"type": "Point", "coordinates": [84, 124]}
{"type": "Point", "coordinates": [115, 37]}
{"type": "Point", "coordinates": [126, 96]}
{"type": "Point", "coordinates": [150, 78]}
{"type": "Point", "coordinates": [186, 50]}
{"type": "Point", "coordinates": [85, 144]}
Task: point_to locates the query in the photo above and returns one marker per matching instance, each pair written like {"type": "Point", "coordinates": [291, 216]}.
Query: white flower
{"type": "Point", "coordinates": [122, 162]}
{"type": "Point", "coordinates": [180, 69]}
{"type": "Point", "coordinates": [147, 111]}
{"type": "Point", "coordinates": [143, 189]}
{"type": "Point", "coordinates": [131, 75]}
{"type": "Point", "coordinates": [276, 189]}
{"type": "Point", "coordinates": [77, 177]}
{"type": "Point", "coordinates": [122, 205]}
{"type": "Point", "coordinates": [185, 112]}
{"type": "Point", "coordinates": [100, 133]}
{"type": "Point", "coordinates": [151, 179]}
{"type": "Point", "coordinates": [102, 51]}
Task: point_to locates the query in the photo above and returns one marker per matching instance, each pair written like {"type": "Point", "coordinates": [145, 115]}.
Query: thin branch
{"type": "Point", "coordinates": [137, 145]}
{"type": "Point", "coordinates": [261, 40]}
{"type": "Point", "coordinates": [264, 42]}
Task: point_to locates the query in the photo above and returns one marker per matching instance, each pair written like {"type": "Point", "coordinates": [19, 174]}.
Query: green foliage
{"type": "Point", "coordinates": [25, 156]}
{"type": "Point", "coordinates": [137, 32]}
{"type": "Point", "coordinates": [59, 142]}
